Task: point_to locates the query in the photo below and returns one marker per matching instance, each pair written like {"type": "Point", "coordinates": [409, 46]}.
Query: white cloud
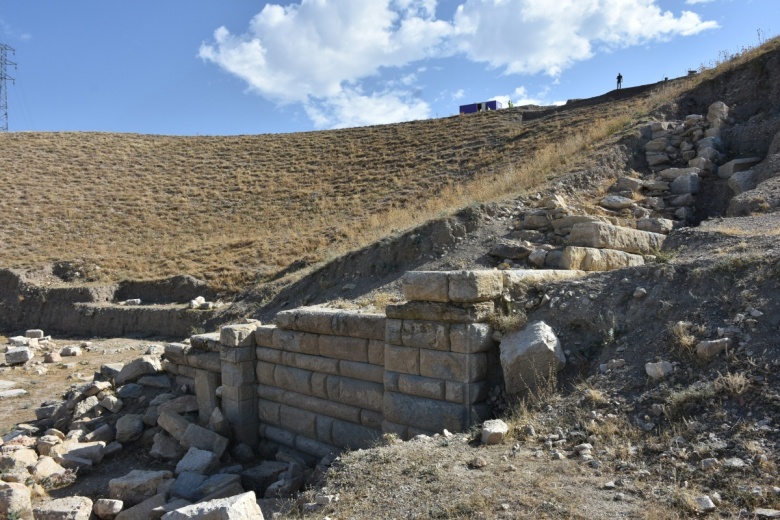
{"type": "Point", "coordinates": [315, 48]}
{"type": "Point", "coordinates": [459, 94]}
{"type": "Point", "coordinates": [321, 52]}
{"type": "Point", "coordinates": [353, 108]}
{"type": "Point", "coordinates": [693, 2]}
{"type": "Point", "coordinates": [533, 36]}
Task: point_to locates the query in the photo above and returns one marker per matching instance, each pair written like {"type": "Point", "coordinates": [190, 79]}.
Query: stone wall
{"type": "Point", "coordinates": [321, 380]}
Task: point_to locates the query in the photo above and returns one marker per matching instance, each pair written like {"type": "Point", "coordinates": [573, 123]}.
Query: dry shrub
{"type": "Point", "coordinates": [732, 384]}
{"type": "Point", "coordinates": [678, 402]}
{"type": "Point", "coordinates": [681, 334]}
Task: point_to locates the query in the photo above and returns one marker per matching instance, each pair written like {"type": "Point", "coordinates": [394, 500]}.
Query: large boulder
{"type": "Point", "coordinates": [145, 365]}
{"type": "Point", "coordinates": [239, 507]}
{"type": "Point", "coordinates": [136, 486]}
{"type": "Point", "coordinates": [68, 508]}
{"type": "Point", "coordinates": [15, 497]}
{"type": "Point", "coordinates": [529, 357]}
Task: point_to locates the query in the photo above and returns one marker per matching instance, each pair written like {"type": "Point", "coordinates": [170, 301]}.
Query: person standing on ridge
{"type": "Point", "coordinates": [619, 80]}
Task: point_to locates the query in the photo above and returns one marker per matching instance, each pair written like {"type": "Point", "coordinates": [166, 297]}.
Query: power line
{"type": "Point", "coordinates": [4, 77]}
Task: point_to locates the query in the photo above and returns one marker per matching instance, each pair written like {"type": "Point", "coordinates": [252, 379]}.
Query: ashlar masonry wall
{"type": "Point", "coordinates": [321, 379]}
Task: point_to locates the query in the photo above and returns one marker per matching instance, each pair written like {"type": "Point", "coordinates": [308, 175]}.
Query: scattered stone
{"type": "Point", "coordinates": [112, 403]}
{"type": "Point", "coordinates": [18, 355]}
{"type": "Point", "coordinates": [197, 461]}
{"type": "Point", "coordinates": [129, 428]}
{"type": "Point", "coordinates": [707, 350]}
{"type": "Point", "coordinates": [145, 365]}
{"type": "Point", "coordinates": [15, 498]}
{"type": "Point", "coordinates": [71, 351]}
{"type": "Point", "coordinates": [136, 486]}
{"type": "Point", "coordinates": [493, 431]}
{"type": "Point", "coordinates": [478, 462]}
{"type": "Point", "coordinates": [658, 370]}
{"type": "Point", "coordinates": [704, 504]}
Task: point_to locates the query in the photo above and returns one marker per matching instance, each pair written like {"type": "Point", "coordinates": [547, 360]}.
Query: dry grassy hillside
{"type": "Point", "coordinates": [238, 209]}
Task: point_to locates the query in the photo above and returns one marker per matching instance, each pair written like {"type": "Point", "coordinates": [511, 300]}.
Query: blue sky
{"type": "Point", "coordinates": [225, 67]}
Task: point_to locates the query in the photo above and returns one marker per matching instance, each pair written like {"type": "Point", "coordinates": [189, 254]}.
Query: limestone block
{"type": "Point", "coordinates": [268, 412]}
{"type": "Point", "coordinates": [295, 379]}
{"type": "Point", "coordinates": [657, 145]}
{"type": "Point", "coordinates": [475, 286]}
{"type": "Point", "coordinates": [46, 467]}
{"type": "Point", "coordinates": [471, 338]}
{"type": "Point", "coordinates": [742, 181]}
{"type": "Point", "coordinates": [264, 336]}
{"type": "Point", "coordinates": [186, 484]}
{"type": "Point", "coordinates": [265, 373]}
{"type": "Point", "coordinates": [354, 436]}
{"type": "Point", "coordinates": [615, 237]}
{"type": "Point", "coordinates": [371, 419]}
{"type": "Point", "coordinates": [494, 431]}
{"type": "Point", "coordinates": [449, 313]}
{"type": "Point", "coordinates": [393, 330]}
{"type": "Point", "coordinates": [421, 386]}
{"type": "Point", "coordinates": [703, 164]}
{"type": "Point", "coordinates": [92, 451]}
{"type": "Point", "coordinates": [656, 158]}
{"type": "Point", "coordinates": [215, 483]}
{"type": "Point", "coordinates": [391, 381]}
{"type": "Point", "coordinates": [176, 353]}
{"type": "Point", "coordinates": [136, 486]}
{"type": "Point", "coordinates": [510, 249]}
{"type": "Point", "coordinates": [68, 508]}
{"type": "Point", "coordinates": [183, 404]}
{"type": "Point", "coordinates": [661, 226]}
{"type": "Point", "coordinates": [107, 509]}
{"type": "Point", "coordinates": [207, 360]}
{"type": "Point", "coordinates": [209, 341]}
{"type": "Point", "coordinates": [362, 394]}
{"type": "Point", "coordinates": [362, 371]}
{"type": "Point", "coordinates": [173, 423]}
{"type": "Point", "coordinates": [376, 352]}
{"type": "Point", "coordinates": [591, 259]}
{"type": "Point", "coordinates": [298, 421]}
{"type": "Point", "coordinates": [682, 200]}
{"type": "Point", "coordinates": [616, 202]}
{"type": "Point", "coordinates": [431, 286]}
{"type": "Point", "coordinates": [339, 347]}
{"type": "Point", "coordinates": [143, 511]}
{"type": "Point", "coordinates": [206, 384]}
{"type": "Point", "coordinates": [629, 184]}
{"type": "Point", "coordinates": [717, 110]}
{"type": "Point", "coordinates": [129, 428]}
{"type": "Point", "coordinates": [236, 354]}
{"type": "Point", "coordinates": [357, 325]}
{"type": "Point", "coordinates": [18, 355]}
{"type": "Point", "coordinates": [535, 221]}
{"type": "Point", "coordinates": [237, 374]}
{"type": "Point", "coordinates": [317, 320]}
{"type": "Point", "coordinates": [530, 356]}
{"type": "Point", "coordinates": [672, 173]}
{"type": "Point", "coordinates": [34, 334]}
{"type": "Point", "coordinates": [466, 393]}
{"type": "Point", "coordinates": [737, 165]}
{"type": "Point", "coordinates": [453, 366]}
{"type": "Point", "coordinates": [268, 355]}
{"type": "Point", "coordinates": [402, 359]}
{"type": "Point", "coordinates": [426, 414]}
{"type": "Point", "coordinates": [312, 363]}
{"type": "Point", "coordinates": [425, 334]}
{"type": "Point", "coordinates": [238, 335]}
{"type": "Point", "coordinates": [166, 447]}
{"type": "Point", "coordinates": [563, 225]}
{"type": "Point", "coordinates": [197, 461]}
{"type": "Point", "coordinates": [514, 278]}
{"type": "Point", "coordinates": [686, 183]}
{"type": "Point", "coordinates": [15, 498]}
{"type": "Point", "coordinates": [538, 257]}
{"type": "Point", "coordinates": [294, 341]}
{"type": "Point", "coordinates": [145, 365]}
